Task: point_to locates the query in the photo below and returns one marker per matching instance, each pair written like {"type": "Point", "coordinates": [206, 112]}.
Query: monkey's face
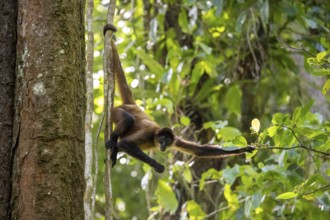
{"type": "Point", "coordinates": [165, 140]}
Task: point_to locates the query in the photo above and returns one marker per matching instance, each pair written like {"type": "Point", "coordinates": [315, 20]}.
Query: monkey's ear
{"type": "Point", "coordinates": [167, 132]}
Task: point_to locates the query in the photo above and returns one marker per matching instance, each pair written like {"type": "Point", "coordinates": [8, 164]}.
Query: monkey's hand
{"type": "Point", "coordinates": [159, 168]}
{"type": "Point", "coordinates": [112, 142]}
{"type": "Point", "coordinates": [250, 149]}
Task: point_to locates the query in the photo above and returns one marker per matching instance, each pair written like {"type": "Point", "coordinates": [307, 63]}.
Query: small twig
{"type": "Point", "coordinates": [320, 189]}
{"type": "Point", "coordinates": [299, 146]}
{"type": "Point", "coordinates": [222, 209]}
{"type": "Point", "coordinates": [306, 51]}
{"type": "Point", "coordinates": [294, 134]}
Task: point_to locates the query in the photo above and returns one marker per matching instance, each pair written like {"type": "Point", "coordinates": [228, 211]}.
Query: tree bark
{"type": "Point", "coordinates": [8, 18]}
{"type": "Point", "coordinates": [48, 172]}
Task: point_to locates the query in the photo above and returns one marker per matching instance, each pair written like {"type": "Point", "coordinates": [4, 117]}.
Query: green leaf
{"type": "Point", "coordinates": [281, 119]}
{"type": "Point", "coordinates": [206, 49]}
{"type": "Point", "coordinates": [228, 133]}
{"type": "Point", "coordinates": [272, 131]}
{"type": "Point", "coordinates": [183, 20]}
{"type": "Point", "coordinates": [233, 100]}
{"type": "Point", "coordinates": [219, 6]}
{"type": "Point", "coordinates": [300, 113]}
{"type": "Point", "coordinates": [240, 141]}
{"type": "Point", "coordinates": [320, 56]}
{"type": "Point", "coordinates": [215, 125]}
{"type": "Point", "coordinates": [195, 211]}
{"type": "Point", "coordinates": [326, 87]}
{"type": "Point", "coordinates": [250, 155]}
{"type": "Point", "coordinates": [167, 103]}
{"type": "Point", "coordinates": [187, 174]}
{"type": "Point", "coordinates": [240, 21]}
{"type": "Point", "coordinates": [277, 118]}
{"type": "Point", "coordinates": [166, 196]}
{"type": "Point", "coordinates": [209, 174]}
{"type": "Point", "coordinates": [230, 174]}
{"type": "Point", "coordinates": [185, 120]}
{"type": "Point", "coordinates": [287, 195]}
{"type": "Point", "coordinates": [151, 63]}
{"type": "Point", "coordinates": [312, 133]}
{"type": "Point", "coordinates": [230, 197]}
{"type": "Point", "coordinates": [264, 12]}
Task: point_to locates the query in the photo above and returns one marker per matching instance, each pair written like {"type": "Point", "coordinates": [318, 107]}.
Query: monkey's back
{"type": "Point", "coordinates": [143, 130]}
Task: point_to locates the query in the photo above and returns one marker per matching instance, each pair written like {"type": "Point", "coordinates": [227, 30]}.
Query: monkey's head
{"type": "Point", "coordinates": [165, 138]}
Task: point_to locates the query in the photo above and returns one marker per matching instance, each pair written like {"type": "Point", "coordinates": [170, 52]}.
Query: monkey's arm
{"type": "Point", "coordinates": [133, 145]}
{"type": "Point", "coordinates": [208, 151]}
{"type": "Point", "coordinates": [124, 121]}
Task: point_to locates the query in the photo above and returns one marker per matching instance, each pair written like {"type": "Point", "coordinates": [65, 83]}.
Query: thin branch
{"type": "Point", "coordinates": [109, 87]}
{"type": "Point", "coordinates": [89, 196]}
{"type": "Point", "coordinates": [222, 209]}
{"type": "Point", "coordinates": [306, 51]}
{"type": "Point", "coordinates": [315, 191]}
{"type": "Point", "coordinates": [291, 148]}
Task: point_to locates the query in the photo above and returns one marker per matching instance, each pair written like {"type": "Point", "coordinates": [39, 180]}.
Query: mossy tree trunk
{"type": "Point", "coordinates": [7, 87]}
{"type": "Point", "coordinates": [48, 176]}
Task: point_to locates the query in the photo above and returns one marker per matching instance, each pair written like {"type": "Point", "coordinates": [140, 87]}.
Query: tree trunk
{"type": "Point", "coordinates": [48, 172]}
{"type": "Point", "coordinates": [8, 18]}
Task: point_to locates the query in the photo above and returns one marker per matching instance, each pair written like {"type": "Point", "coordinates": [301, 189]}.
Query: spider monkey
{"type": "Point", "coordinates": [137, 132]}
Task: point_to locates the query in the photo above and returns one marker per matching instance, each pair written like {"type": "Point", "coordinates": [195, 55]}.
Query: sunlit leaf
{"type": "Point", "coordinates": [166, 196]}
{"type": "Point", "coordinates": [300, 113]}
{"type": "Point", "coordinates": [230, 197]}
{"type": "Point", "coordinates": [255, 125]}
{"type": "Point", "coordinates": [320, 56]}
{"type": "Point", "coordinates": [287, 195]}
{"type": "Point", "coordinates": [250, 155]}
{"type": "Point", "coordinates": [326, 87]}
{"type": "Point", "coordinates": [228, 133]}
{"type": "Point", "coordinates": [195, 211]}
{"type": "Point", "coordinates": [258, 210]}
{"type": "Point", "coordinates": [187, 174]}
{"type": "Point", "coordinates": [183, 20]}
{"type": "Point", "coordinates": [278, 118]}
{"type": "Point", "coordinates": [185, 120]}
{"type": "Point", "coordinates": [240, 141]}
{"type": "Point", "coordinates": [272, 130]}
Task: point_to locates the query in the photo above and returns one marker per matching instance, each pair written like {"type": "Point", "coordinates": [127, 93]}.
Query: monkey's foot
{"type": "Point", "coordinates": [159, 168]}
{"type": "Point", "coordinates": [113, 157]}
{"type": "Point", "coordinates": [112, 142]}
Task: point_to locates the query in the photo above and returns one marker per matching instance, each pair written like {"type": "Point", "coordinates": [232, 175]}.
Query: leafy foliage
{"type": "Point", "coordinates": [212, 69]}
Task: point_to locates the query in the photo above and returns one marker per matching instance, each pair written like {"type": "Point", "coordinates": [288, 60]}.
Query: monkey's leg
{"type": "Point", "coordinates": [124, 121]}
{"type": "Point", "coordinates": [133, 150]}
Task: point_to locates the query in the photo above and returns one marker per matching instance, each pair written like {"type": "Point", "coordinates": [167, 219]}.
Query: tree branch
{"type": "Point", "coordinates": [306, 51]}
{"type": "Point", "coordinates": [109, 88]}
{"type": "Point", "coordinates": [320, 189]}
{"type": "Point", "coordinates": [291, 148]}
